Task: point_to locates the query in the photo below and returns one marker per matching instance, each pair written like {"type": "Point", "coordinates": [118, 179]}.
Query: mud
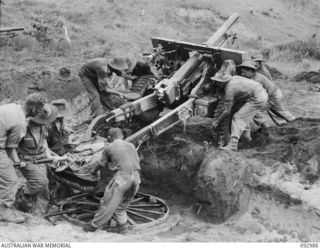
{"type": "Point", "coordinates": [255, 194]}
{"type": "Point", "coordinates": [312, 77]}
{"type": "Point", "coordinates": [279, 167]}
{"type": "Point", "coordinates": [295, 143]}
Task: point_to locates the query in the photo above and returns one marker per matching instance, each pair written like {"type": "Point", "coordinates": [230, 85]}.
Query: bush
{"type": "Point", "coordinates": [77, 17]}
{"type": "Point", "coordinates": [299, 49]}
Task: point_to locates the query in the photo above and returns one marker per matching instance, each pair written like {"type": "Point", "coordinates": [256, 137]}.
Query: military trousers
{"type": "Point", "coordinates": [37, 185]}
{"type": "Point", "coordinates": [242, 118]}
{"type": "Point", "coordinates": [117, 197]}
{"type": "Point", "coordinates": [101, 101]}
{"type": "Point", "coordinates": [275, 108]}
{"type": "Point", "coordinates": [9, 181]}
{"type": "Point", "coordinates": [36, 180]}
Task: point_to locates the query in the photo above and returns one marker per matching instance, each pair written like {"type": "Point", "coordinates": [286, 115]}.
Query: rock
{"type": "Point", "coordinates": [220, 183]}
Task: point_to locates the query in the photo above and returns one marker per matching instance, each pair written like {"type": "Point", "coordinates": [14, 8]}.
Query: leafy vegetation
{"type": "Point", "coordinates": [301, 49]}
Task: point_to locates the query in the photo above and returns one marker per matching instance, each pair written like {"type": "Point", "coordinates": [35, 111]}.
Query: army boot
{"type": "Point", "coordinates": [232, 145]}
{"type": "Point", "coordinates": [11, 215]}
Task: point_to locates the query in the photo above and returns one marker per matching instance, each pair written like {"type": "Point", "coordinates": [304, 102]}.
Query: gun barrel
{"type": "Point", "coordinates": [188, 68]}
{"type": "Point", "coordinates": [168, 88]}
{"type": "Point", "coordinates": [214, 39]}
{"type": "Point", "coordinates": [12, 29]}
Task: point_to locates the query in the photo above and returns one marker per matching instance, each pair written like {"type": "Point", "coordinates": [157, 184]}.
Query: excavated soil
{"type": "Point", "coordinates": [271, 183]}
{"type": "Point", "coordinates": [312, 77]}
{"type": "Point", "coordinates": [261, 193]}
{"type": "Point", "coordinates": [295, 143]}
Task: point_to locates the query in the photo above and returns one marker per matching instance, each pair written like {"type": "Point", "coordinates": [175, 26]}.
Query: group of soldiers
{"type": "Point", "coordinates": [248, 91]}
{"type": "Point", "coordinates": [26, 133]}
{"type": "Point", "coordinates": [96, 75]}
{"type": "Point", "coordinates": [35, 131]}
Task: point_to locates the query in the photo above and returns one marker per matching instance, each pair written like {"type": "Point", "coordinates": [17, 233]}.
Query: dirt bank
{"type": "Point", "coordinates": [277, 170]}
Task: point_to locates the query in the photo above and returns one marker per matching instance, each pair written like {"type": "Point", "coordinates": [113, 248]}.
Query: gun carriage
{"type": "Point", "coordinates": [183, 87]}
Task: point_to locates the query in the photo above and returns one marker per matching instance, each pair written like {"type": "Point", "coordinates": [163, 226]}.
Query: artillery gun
{"type": "Point", "coordinates": [183, 89]}
{"type": "Point", "coordinates": [184, 69]}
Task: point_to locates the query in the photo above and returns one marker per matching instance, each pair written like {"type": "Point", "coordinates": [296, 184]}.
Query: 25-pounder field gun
{"type": "Point", "coordinates": [184, 70]}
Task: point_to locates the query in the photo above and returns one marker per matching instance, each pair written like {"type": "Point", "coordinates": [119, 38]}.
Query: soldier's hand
{"type": "Point", "coordinates": [57, 159]}
{"type": "Point", "coordinates": [128, 76]}
{"type": "Point", "coordinates": [23, 164]}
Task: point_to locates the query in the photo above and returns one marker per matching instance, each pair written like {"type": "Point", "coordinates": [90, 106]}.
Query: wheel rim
{"type": "Point", "coordinates": [144, 211]}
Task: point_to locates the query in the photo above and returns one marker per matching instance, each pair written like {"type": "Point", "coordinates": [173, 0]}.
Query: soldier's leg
{"type": "Point", "coordinates": [9, 182]}
{"type": "Point", "coordinates": [113, 196]}
{"type": "Point", "coordinates": [120, 213]}
{"type": "Point", "coordinates": [242, 118]}
{"type": "Point", "coordinates": [277, 107]}
{"type": "Point", "coordinates": [259, 120]}
{"type": "Point", "coordinates": [37, 186]}
{"type": "Point", "coordinates": [94, 97]}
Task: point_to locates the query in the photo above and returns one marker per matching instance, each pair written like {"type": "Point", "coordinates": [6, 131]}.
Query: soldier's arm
{"type": "Point", "coordinates": [111, 90]}
{"type": "Point", "coordinates": [51, 155]}
{"type": "Point", "coordinates": [14, 136]}
{"type": "Point", "coordinates": [101, 162]}
{"type": "Point", "coordinates": [128, 76]}
{"type": "Point", "coordinates": [102, 76]}
{"type": "Point", "coordinates": [13, 155]}
{"type": "Point", "coordinates": [227, 104]}
{"type": "Point", "coordinates": [266, 72]}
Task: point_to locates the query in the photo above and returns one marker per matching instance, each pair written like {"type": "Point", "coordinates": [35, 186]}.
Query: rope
{"type": "Point", "coordinates": [153, 148]}
{"type": "Point", "coordinates": [184, 117]}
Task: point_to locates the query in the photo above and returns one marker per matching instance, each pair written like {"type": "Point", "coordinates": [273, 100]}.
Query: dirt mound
{"type": "Point", "coordinates": [215, 180]}
{"type": "Point", "coordinates": [220, 183]}
{"type": "Point", "coordinates": [171, 164]}
{"type": "Point", "coordinates": [44, 81]}
{"type": "Point", "coordinates": [312, 77]}
{"type": "Point", "coordinates": [296, 142]}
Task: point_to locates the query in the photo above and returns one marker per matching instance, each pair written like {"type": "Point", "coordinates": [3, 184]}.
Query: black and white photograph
{"type": "Point", "coordinates": [179, 121]}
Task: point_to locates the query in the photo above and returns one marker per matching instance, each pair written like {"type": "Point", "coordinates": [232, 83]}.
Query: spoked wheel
{"type": "Point", "coordinates": [143, 212]}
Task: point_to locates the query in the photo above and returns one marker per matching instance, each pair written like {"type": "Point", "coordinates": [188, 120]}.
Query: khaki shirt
{"type": "Point", "coordinates": [264, 71]}
{"type": "Point", "coordinates": [96, 70]}
{"type": "Point", "coordinates": [265, 82]}
{"type": "Point", "coordinates": [12, 125]}
{"type": "Point", "coordinates": [240, 89]}
{"type": "Point", "coordinates": [32, 146]}
{"type": "Point", "coordinates": [120, 156]}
